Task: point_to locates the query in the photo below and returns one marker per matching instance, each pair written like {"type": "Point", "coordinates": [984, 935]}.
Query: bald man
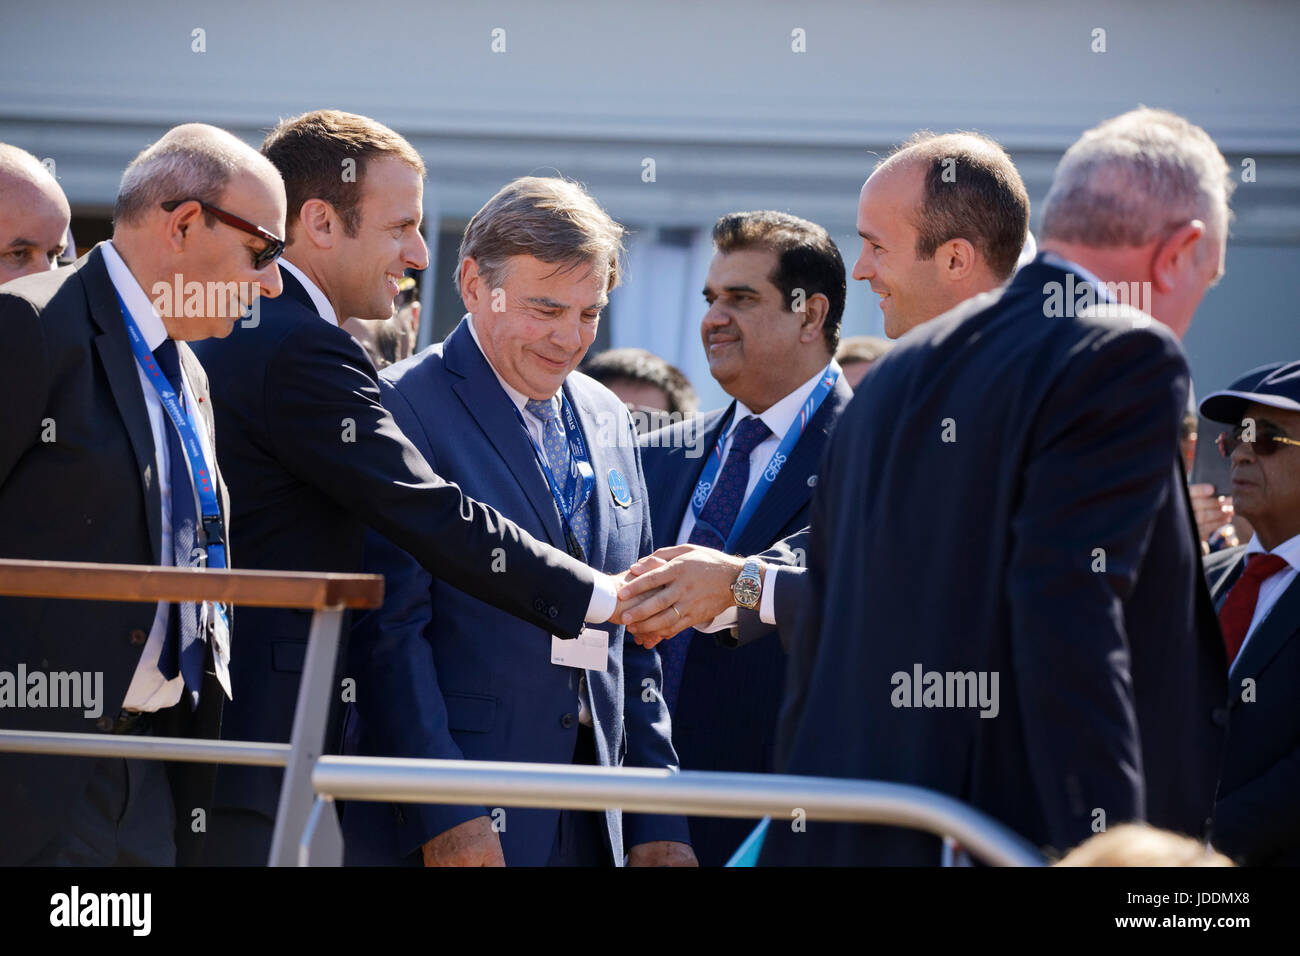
{"type": "Point", "coordinates": [34, 215]}
{"type": "Point", "coordinates": [107, 439]}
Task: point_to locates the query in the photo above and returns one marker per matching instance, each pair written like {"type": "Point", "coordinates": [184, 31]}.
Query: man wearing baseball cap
{"type": "Point", "coordinates": [1257, 595]}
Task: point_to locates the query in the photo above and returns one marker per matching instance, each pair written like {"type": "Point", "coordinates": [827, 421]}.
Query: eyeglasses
{"type": "Point", "coordinates": [1265, 443]}
{"type": "Point", "coordinates": [274, 244]}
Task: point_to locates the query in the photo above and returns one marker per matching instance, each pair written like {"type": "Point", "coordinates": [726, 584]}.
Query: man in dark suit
{"type": "Point", "coordinates": [1070, 675]}
{"type": "Point", "coordinates": [312, 456]}
{"type": "Point", "coordinates": [499, 409]}
{"type": "Point", "coordinates": [1257, 595]}
{"type": "Point", "coordinates": [775, 293]}
{"type": "Point", "coordinates": [99, 388]}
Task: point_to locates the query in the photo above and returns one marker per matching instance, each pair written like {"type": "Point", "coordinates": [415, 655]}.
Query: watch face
{"type": "Point", "coordinates": [746, 592]}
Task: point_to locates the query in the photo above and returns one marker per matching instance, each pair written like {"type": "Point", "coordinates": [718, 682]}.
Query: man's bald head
{"type": "Point", "coordinates": [34, 215]}
{"type": "Point", "coordinates": [193, 161]}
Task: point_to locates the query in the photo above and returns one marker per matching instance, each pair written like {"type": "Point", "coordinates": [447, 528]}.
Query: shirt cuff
{"type": "Point", "coordinates": [767, 603]}
{"type": "Point", "coordinates": [723, 622]}
{"type": "Point", "coordinates": [604, 599]}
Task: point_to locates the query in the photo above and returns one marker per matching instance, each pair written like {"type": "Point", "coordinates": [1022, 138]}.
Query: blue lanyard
{"type": "Point", "coordinates": [705, 485]}
{"type": "Point", "coordinates": [200, 478]}
{"type": "Point", "coordinates": [578, 483]}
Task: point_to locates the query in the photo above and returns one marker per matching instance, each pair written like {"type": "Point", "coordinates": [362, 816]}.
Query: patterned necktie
{"type": "Point", "coordinates": [712, 528]}
{"type": "Point", "coordinates": [1239, 608]}
{"type": "Point", "coordinates": [182, 651]}
{"type": "Point", "coordinates": [555, 444]}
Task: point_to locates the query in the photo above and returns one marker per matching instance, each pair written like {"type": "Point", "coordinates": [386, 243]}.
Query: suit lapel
{"type": "Point", "coordinates": [119, 365]}
{"type": "Point", "coordinates": [490, 407]}
{"type": "Point", "coordinates": [791, 491]}
{"type": "Point", "coordinates": [1274, 631]}
{"type": "Point", "coordinates": [706, 431]}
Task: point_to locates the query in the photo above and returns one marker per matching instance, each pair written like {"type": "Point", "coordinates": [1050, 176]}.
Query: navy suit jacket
{"type": "Point", "coordinates": [1257, 815]}
{"type": "Point", "coordinates": [85, 491]}
{"type": "Point", "coordinates": [1004, 496]}
{"type": "Point", "coordinates": [312, 458]}
{"type": "Point", "coordinates": [483, 681]}
{"type": "Point", "coordinates": [727, 705]}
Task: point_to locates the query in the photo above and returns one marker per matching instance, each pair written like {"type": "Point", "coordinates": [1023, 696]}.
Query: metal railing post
{"type": "Point", "coordinates": [311, 715]}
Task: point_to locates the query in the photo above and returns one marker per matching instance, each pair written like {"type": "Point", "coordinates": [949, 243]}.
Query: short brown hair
{"type": "Point", "coordinates": [806, 258]}
{"type": "Point", "coordinates": [551, 219]}
{"type": "Point", "coordinates": [972, 191]}
{"type": "Point", "coordinates": [310, 151]}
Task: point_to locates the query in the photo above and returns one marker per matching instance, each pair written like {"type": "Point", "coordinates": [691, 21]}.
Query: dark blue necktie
{"type": "Point", "coordinates": [182, 651]}
{"type": "Point", "coordinates": [712, 528]}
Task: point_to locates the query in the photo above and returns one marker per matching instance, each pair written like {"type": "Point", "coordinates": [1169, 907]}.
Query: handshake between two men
{"type": "Point", "coordinates": [687, 586]}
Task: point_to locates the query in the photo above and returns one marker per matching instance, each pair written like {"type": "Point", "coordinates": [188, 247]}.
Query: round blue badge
{"type": "Point", "coordinates": [619, 489]}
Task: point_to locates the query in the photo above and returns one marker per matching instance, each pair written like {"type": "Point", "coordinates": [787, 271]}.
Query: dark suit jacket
{"type": "Point", "coordinates": [85, 491]}
{"type": "Point", "coordinates": [727, 706]}
{"type": "Point", "coordinates": [484, 685]}
{"type": "Point", "coordinates": [970, 494]}
{"type": "Point", "coordinates": [312, 458]}
{"type": "Point", "coordinates": [1257, 815]}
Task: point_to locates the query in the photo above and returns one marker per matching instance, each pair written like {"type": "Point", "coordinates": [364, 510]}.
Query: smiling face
{"type": "Point", "coordinates": [911, 290]}
{"type": "Point", "coordinates": [33, 226]}
{"type": "Point", "coordinates": [1266, 488]}
{"type": "Point", "coordinates": [750, 335]}
{"type": "Point", "coordinates": [366, 268]}
{"type": "Point", "coordinates": [551, 313]}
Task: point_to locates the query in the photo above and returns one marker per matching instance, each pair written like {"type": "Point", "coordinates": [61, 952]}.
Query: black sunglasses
{"type": "Point", "coordinates": [274, 244]}
{"type": "Point", "coordinates": [1265, 443]}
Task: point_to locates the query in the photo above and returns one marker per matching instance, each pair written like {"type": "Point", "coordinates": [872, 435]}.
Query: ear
{"type": "Point", "coordinates": [472, 286]}
{"type": "Point", "coordinates": [178, 224]}
{"type": "Point", "coordinates": [319, 224]}
{"type": "Point", "coordinates": [1174, 257]}
{"type": "Point", "coordinates": [814, 317]}
{"type": "Point", "coordinates": [957, 258]}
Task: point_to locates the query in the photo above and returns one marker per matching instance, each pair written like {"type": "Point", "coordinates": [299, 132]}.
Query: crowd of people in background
{"type": "Point", "coordinates": [967, 557]}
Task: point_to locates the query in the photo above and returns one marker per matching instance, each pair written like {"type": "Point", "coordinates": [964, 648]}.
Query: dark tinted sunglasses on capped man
{"type": "Point", "coordinates": [1265, 444]}
{"type": "Point", "coordinates": [274, 244]}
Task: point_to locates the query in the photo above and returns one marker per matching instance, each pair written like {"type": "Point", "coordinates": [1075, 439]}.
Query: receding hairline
{"type": "Point", "coordinates": [20, 170]}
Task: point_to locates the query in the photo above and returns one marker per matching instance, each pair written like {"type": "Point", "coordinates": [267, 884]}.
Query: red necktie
{"type": "Point", "coordinates": [1237, 611]}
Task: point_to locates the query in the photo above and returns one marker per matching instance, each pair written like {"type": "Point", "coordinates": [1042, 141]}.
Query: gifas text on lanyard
{"type": "Point", "coordinates": [578, 483]}
{"type": "Point", "coordinates": [705, 485]}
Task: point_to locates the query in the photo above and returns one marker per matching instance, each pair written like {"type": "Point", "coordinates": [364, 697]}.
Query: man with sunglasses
{"type": "Point", "coordinates": [106, 455]}
{"type": "Point", "coordinates": [1256, 591]}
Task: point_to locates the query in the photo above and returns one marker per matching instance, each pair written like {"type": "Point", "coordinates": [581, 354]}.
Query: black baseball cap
{"type": "Point", "coordinates": [1279, 387]}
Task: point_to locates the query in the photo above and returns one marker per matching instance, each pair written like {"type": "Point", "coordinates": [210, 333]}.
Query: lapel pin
{"type": "Point", "coordinates": [619, 489]}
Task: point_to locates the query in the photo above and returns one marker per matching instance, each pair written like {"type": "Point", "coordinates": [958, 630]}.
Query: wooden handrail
{"type": "Point", "coordinates": [149, 583]}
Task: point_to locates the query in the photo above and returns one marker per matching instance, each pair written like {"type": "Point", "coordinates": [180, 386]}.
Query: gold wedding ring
{"type": "Point", "coordinates": [679, 613]}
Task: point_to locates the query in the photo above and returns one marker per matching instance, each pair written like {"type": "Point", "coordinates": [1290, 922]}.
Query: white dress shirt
{"type": "Point", "coordinates": [149, 690]}
{"type": "Point", "coordinates": [1272, 587]}
{"type": "Point", "coordinates": [323, 307]}
{"type": "Point", "coordinates": [779, 418]}
{"type": "Point", "coordinates": [604, 596]}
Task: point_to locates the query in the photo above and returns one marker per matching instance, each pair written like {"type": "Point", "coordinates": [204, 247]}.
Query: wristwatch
{"type": "Point", "coordinates": [749, 584]}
